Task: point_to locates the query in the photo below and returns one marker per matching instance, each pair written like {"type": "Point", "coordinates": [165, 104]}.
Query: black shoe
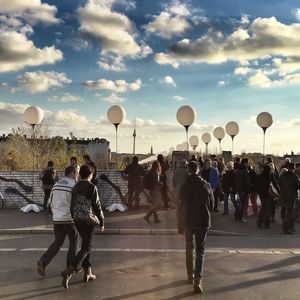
{"type": "Point", "coordinates": [41, 268]}
{"type": "Point", "coordinates": [198, 288]}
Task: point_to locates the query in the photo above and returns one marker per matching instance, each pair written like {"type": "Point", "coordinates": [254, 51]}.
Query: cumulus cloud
{"type": "Point", "coordinates": [98, 20]}
{"type": "Point", "coordinates": [118, 86]}
{"type": "Point", "coordinates": [222, 82]}
{"type": "Point", "coordinates": [32, 11]}
{"type": "Point", "coordinates": [38, 82]}
{"type": "Point", "coordinates": [17, 52]}
{"type": "Point", "coordinates": [112, 98]}
{"type": "Point", "coordinates": [111, 62]}
{"type": "Point", "coordinates": [262, 38]}
{"type": "Point", "coordinates": [242, 70]}
{"type": "Point", "coordinates": [65, 98]}
{"type": "Point", "coordinates": [178, 98]}
{"type": "Point", "coordinates": [169, 81]}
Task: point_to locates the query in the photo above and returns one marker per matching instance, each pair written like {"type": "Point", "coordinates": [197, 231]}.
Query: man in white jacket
{"type": "Point", "coordinates": [60, 203]}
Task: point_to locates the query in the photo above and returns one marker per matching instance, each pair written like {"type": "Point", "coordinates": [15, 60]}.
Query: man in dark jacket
{"type": "Point", "coordinates": [135, 173]}
{"type": "Point", "coordinates": [194, 220]}
{"type": "Point", "coordinates": [242, 186]}
{"type": "Point", "coordinates": [90, 163]}
{"type": "Point", "coordinates": [289, 185]}
{"type": "Point", "coordinates": [164, 180]}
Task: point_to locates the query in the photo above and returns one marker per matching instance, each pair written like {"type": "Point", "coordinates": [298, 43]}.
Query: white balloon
{"type": "Point", "coordinates": [219, 133]}
{"type": "Point", "coordinates": [232, 128]}
{"type": "Point", "coordinates": [116, 114]}
{"type": "Point", "coordinates": [206, 138]}
{"type": "Point", "coordinates": [33, 115]}
{"type": "Point", "coordinates": [186, 115]}
{"type": "Point", "coordinates": [264, 120]}
{"type": "Point", "coordinates": [194, 141]}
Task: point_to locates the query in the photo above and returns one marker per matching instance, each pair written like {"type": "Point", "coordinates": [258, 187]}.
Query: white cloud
{"type": "Point", "coordinates": [32, 11]}
{"type": "Point", "coordinates": [169, 81]}
{"type": "Point", "coordinates": [38, 82]}
{"type": "Point", "coordinates": [245, 19]}
{"type": "Point", "coordinates": [178, 98]}
{"type": "Point", "coordinates": [98, 20]}
{"type": "Point", "coordinates": [65, 98]}
{"type": "Point", "coordinates": [112, 62]}
{"type": "Point", "coordinates": [178, 8]}
{"type": "Point", "coordinates": [262, 38]}
{"type": "Point", "coordinates": [112, 98]}
{"type": "Point", "coordinates": [75, 43]}
{"type": "Point", "coordinates": [166, 26]}
{"type": "Point", "coordinates": [17, 52]}
{"type": "Point", "coordinates": [297, 14]}
{"type": "Point", "coordinates": [259, 80]}
{"type": "Point", "coordinates": [118, 86]}
{"type": "Point", "coordinates": [222, 82]}
{"type": "Point", "coordinates": [242, 70]}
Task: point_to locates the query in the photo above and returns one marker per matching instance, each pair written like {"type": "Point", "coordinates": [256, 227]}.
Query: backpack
{"type": "Point", "coordinates": [48, 177]}
{"type": "Point", "coordinates": [147, 181]}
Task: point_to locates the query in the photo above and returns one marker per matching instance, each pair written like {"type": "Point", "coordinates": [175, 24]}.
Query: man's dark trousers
{"type": "Point", "coordinates": [60, 232]}
{"type": "Point", "coordinates": [196, 270]}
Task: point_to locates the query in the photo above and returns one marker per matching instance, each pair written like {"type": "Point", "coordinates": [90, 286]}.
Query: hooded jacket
{"type": "Point", "coordinates": [289, 185]}
{"type": "Point", "coordinates": [195, 205]}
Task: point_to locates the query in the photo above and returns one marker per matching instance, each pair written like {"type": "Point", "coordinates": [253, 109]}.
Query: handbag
{"type": "Point", "coordinates": [273, 193]}
{"type": "Point", "coordinates": [83, 211]}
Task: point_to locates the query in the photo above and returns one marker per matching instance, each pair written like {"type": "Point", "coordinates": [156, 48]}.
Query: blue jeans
{"type": "Point", "coordinates": [196, 270]}
{"type": "Point", "coordinates": [232, 198]}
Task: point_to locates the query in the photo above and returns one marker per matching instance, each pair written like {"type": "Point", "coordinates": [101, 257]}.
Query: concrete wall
{"type": "Point", "coordinates": [107, 194]}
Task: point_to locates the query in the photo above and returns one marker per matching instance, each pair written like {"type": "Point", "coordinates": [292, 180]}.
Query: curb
{"type": "Point", "coordinates": [135, 231]}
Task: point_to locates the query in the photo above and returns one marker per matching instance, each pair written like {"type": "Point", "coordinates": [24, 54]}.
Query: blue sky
{"type": "Point", "coordinates": [229, 60]}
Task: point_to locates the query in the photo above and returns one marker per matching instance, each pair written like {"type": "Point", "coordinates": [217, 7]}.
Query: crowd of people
{"type": "Point", "coordinates": [199, 188]}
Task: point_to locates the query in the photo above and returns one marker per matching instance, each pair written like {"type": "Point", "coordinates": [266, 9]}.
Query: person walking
{"type": "Point", "coordinates": [63, 224]}
{"type": "Point", "coordinates": [74, 163]}
{"type": "Point", "coordinates": [155, 187]}
{"type": "Point", "coordinates": [164, 180]}
{"type": "Point", "coordinates": [252, 196]}
{"type": "Point", "coordinates": [229, 189]}
{"type": "Point", "coordinates": [242, 187]}
{"type": "Point", "coordinates": [48, 176]}
{"type": "Point", "coordinates": [87, 213]}
{"type": "Point", "coordinates": [194, 220]}
{"type": "Point", "coordinates": [289, 185]}
{"type": "Point", "coordinates": [135, 173]}
{"type": "Point", "coordinates": [264, 181]}
{"type": "Point", "coordinates": [211, 175]}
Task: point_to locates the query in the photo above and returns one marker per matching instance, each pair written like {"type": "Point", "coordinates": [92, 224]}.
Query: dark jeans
{"type": "Point", "coordinates": [60, 232]}
{"type": "Point", "coordinates": [243, 197]}
{"type": "Point", "coordinates": [232, 198]}
{"type": "Point", "coordinates": [134, 191]}
{"type": "Point", "coordinates": [265, 211]}
{"type": "Point", "coordinates": [83, 256]}
{"type": "Point", "coordinates": [196, 269]}
{"type": "Point", "coordinates": [47, 193]}
{"type": "Point", "coordinates": [288, 221]}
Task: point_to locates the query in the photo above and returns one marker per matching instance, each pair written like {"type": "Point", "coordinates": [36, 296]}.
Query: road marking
{"type": "Point", "coordinates": [171, 250]}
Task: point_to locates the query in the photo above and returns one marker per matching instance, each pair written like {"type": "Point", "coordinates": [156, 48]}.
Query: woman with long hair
{"type": "Point", "coordinates": [155, 192]}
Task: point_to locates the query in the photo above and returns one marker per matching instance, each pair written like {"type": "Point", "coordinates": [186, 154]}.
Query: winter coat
{"type": "Point", "coordinates": [242, 180]}
{"type": "Point", "coordinates": [84, 189]}
{"type": "Point", "coordinates": [195, 204]}
{"type": "Point", "coordinates": [229, 182]}
{"type": "Point", "coordinates": [179, 177]}
{"type": "Point", "coordinates": [289, 185]}
{"type": "Point", "coordinates": [49, 186]}
{"type": "Point", "coordinates": [135, 173]}
{"type": "Point", "coordinates": [213, 177]}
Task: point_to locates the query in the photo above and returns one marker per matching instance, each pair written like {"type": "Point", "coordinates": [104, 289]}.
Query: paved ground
{"type": "Point", "coordinates": [132, 223]}
{"type": "Point", "coordinates": [127, 267]}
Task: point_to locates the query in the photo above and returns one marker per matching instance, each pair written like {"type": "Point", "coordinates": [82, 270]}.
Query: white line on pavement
{"type": "Point", "coordinates": [170, 250]}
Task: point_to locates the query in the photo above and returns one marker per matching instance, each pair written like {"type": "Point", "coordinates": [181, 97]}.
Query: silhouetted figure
{"type": "Point", "coordinates": [135, 173]}
{"type": "Point", "coordinates": [194, 220]}
{"type": "Point", "coordinates": [48, 176]}
{"type": "Point", "coordinates": [164, 180]}
{"type": "Point", "coordinates": [89, 162]}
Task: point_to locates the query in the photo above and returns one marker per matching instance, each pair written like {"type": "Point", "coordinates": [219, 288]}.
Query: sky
{"type": "Point", "coordinates": [230, 60]}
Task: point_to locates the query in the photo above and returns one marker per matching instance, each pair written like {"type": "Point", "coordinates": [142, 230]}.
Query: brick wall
{"type": "Point", "coordinates": [107, 194]}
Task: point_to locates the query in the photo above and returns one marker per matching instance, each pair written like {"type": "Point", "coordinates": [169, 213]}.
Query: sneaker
{"type": "Point", "coordinates": [198, 288]}
{"type": "Point", "coordinates": [41, 268]}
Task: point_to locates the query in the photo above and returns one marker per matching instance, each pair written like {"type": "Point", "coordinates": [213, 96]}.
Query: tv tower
{"type": "Point", "coordinates": [134, 135]}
